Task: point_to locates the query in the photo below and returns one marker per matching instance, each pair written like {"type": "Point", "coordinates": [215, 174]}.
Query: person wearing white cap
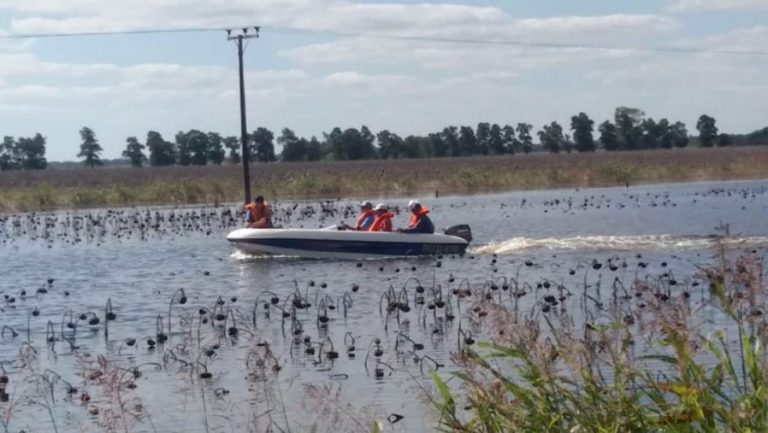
{"type": "Point", "coordinates": [420, 222]}
{"type": "Point", "coordinates": [383, 221]}
{"type": "Point", "coordinates": [364, 221]}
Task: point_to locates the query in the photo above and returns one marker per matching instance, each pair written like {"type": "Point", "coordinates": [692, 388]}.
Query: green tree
{"type": "Point", "coordinates": [9, 155]}
{"type": "Point", "coordinates": [439, 146]}
{"type": "Point", "coordinates": [757, 137]}
{"type": "Point", "coordinates": [496, 140]}
{"type": "Point", "coordinates": [135, 152]}
{"type": "Point", "coordinates": [467, 141]}
{"type": "Point", "coordinates": [183, 152]}
{"type": "Point", "coordinates": [609, 136]}
{"type": "Point", "coordinates": [294, 149]}
{"type": "Point", "coordinates": [679, 134]}
{"type": "Point", "coordinates": [412, 147]}
{"type": "Point", "coordinates": [510, 141]}
{"type": "Point", "coordinates": [263, 145]}
{"type": "Point", "coordinates": [724, 140]}
{"type": "Point", "coordinates": [362, 146]}
{"type": "Point", "coordinates": [653, 133]}
{"type": "Point", "coordinates": [31, 152]}
{"type": "Point", "coordinates": [628, 125]}
{"type": "Point", "coordinates": [356, 144]}
{"type": "Point", "coordinates": [568, 144]}
{"type": "Point", "coordinates": [551, 137]}
{"type": "Point", "coordinates": [483, 136]}
{"type": "Point", "coordinates": [707, 131]}
{"type": "Point", "coordinates": [335, 143]}
{"type": "Point", "coordinates": [216, 151]}
{"type": "Point", "coordinates": [425, 147]}
{"type": "Point", "coordinates": [450, 136]}
{"type": "Point", "coordinates": [663, 132]}
{"type": "Point", "coordinates": [314, 149]}
{"type": "Point", "coordinates": [368, 143]}
{"type": "Point", "coordinates": [583, 127]}
{"type": "Point", "coordinates": [198, 146]}
{"type": "Point", "coordinates": [161, 153]}
{"type": "Point", "coordinates": [391, 146]}
{"type": "Point", "coordinates": [90, 149]}
{"type": "Point", "coordinates": [233, 144]}
{"type": "Point", "coordinates": [524, 137]}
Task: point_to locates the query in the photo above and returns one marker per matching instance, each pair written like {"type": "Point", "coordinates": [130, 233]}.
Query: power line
{"type": "Point", "coordinates": [518, 43]}
{"type": "Point", "coordinates": [112, 33]}
{"type": "Point", "coordinates": [379, 36]}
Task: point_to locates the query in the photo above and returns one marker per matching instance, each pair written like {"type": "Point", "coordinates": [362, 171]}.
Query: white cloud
{"type": "Point", "coordinates": [44, 16]}
{"type": "Point", "coordinates": [702, 5]}
{"type": "Point", "coordinates": [745, 39]}
{"type": "Point", "coordinates": [408, 85]}
{"type": "Point", "coordinates": [431, 37]}
{"type": "Point", "coordinates": [437, 56]}
{"type": "Point", "coordinates": [425, 20]}
{"type": "Point", "coordinates": [581, 25]}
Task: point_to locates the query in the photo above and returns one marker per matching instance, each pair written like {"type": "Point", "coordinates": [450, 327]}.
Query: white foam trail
{"type": "Point", "coordinates": [619, 243]}
{"type": "Point", "coordinates": [241, 256]}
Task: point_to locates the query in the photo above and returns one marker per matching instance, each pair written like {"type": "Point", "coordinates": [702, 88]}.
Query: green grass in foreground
{"type": "Point", "coordinates": [88, 188]}
{"type": "Point", "coordinates": [673, 365]}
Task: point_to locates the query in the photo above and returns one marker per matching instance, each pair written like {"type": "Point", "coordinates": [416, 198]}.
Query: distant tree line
{"type": "Point", "coordinates": [196, 147]}
{"type": "Point", "coordinates": [629, 129]}
{"type": "Point", "coordinates": [23, 153]}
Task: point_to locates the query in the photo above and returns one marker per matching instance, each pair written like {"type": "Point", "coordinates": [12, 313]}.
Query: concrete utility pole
{"type": "Point", "coordinates": [243, 127]}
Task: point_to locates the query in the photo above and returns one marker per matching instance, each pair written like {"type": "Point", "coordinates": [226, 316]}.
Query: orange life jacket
{"type": "Point", "coordinates": [258, 215]}
{"type": "Point", "coordinates": [415, 217]}
{"type": "Point", "coordinates": [362, 217]}
{"type": "Point", "coordinates": [382, 223]}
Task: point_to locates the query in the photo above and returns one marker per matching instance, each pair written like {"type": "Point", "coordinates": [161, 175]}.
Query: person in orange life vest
{"type": "Point", "coordinates": [364, 221]}
{"type": "Point", "coordinates": [259, 214]}
{"type": "Point", "coordinates": [420, 222]}
{"type": "Point", "coordinates": [383, 221]}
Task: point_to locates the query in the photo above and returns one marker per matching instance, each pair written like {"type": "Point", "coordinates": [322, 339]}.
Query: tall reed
{"type": "Point", "coordinates": [660, 358]}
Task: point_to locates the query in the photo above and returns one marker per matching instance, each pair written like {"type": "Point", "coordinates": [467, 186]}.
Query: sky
{"type": "Point", "coordinates": [319, 64]}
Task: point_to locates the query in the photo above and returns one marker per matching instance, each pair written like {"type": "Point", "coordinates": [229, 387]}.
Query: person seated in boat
{"type": "Point", "coordinates": [383, 221]}
{"type": "Point", "coordinates": [420, 222]}
{"type": "Point", "coordinates": [364, 221]}
{"type": "Point", "coordinates": [259, 214]}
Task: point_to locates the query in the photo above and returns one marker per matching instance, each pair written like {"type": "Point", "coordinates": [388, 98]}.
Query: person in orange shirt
{"type": "Point", "coordinates": [259, 214]}
{"type": "Point", "coordinates": [383, 221]}
{"type": "Point", "coordinates": [366, 218]}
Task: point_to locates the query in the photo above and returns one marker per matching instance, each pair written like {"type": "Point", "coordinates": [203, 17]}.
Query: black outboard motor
{"type": "Point", "coordinates": [463, 231]}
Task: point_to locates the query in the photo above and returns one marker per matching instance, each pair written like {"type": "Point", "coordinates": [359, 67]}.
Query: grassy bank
{"type": "Point", "coordinates": [83, 188]}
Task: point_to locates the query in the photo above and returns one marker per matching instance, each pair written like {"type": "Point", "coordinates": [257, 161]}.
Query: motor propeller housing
{"type": "Point", "coordinates": [462, 230]}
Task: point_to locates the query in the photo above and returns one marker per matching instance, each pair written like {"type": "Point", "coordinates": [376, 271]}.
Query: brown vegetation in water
{"type": "Point", "coordinates": [84, 188]}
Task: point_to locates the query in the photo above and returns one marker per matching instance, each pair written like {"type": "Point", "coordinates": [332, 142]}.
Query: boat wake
{"type": "Point", "coordinates": [619, 243]}
{"type": "Point", "coordinates": [245, 257]}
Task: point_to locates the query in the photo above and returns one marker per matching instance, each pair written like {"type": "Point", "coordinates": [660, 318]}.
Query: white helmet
{"type": "Point", "coordinates": [413, 203]}
{"type": "Point", "coordinates": [380, 206]}
{"type": "Point", "coordinates": [366, 205]}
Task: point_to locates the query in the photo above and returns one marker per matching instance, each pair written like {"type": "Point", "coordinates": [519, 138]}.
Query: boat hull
{"type": "Point", "coordinates": [343, 244]}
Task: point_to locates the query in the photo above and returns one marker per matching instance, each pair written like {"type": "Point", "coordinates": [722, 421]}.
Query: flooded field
{"type": "Point", "coordinates": [146, 320]}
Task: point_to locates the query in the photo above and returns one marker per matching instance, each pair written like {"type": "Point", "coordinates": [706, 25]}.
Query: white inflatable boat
{"type": "Point", "coordinates": [349, 244]}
